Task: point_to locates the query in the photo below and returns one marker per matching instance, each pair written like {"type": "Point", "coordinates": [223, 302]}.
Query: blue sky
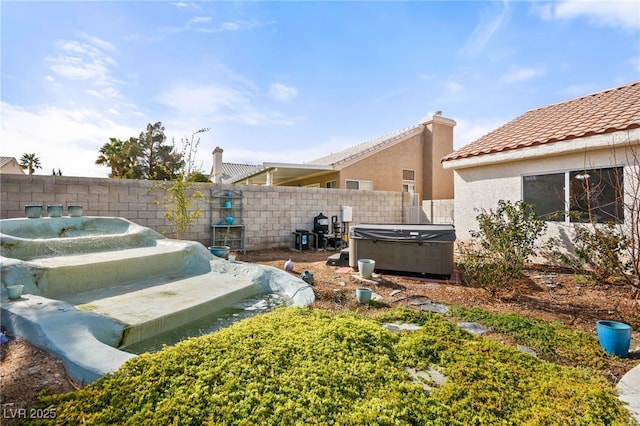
{"type": "Point", "coordinates": [292, 81]}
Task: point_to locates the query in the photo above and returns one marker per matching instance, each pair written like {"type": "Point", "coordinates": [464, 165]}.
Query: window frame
{"type": "Point", "coordinates": [565, 215]}
{"type": "Point", "coordinates": [407, 179]}
{"type": "Point", "coordinates": [359, 182]}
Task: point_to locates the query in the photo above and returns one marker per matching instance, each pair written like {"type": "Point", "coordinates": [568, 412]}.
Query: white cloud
{"type": "Point", "coordinates": [485, 30]}
{"type": "Point", "coordinates": [215, 102]}
{"type": "Point", "coordinates": [469, 130]}
{"type": "Point", "coordinates": [518, 74]}
{"type": "Point", "coordinates": [282, 92]}
{"type": "Point", "coordinates": [454, 87]}
{"type": "Point", "coordinates": [618, 13]}
{"type": "Point", "coordinates": [185, 5]}
{"type": "Point", "coordinates": [82, 61]}
{"type": "Point", "coordinates": [238, 25]}
{"type": "Point", "coordinates": [65, 139]}
{"type": "Point", "coordinates": [200, 19]}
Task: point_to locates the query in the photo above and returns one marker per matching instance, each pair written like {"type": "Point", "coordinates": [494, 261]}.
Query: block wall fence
{"type": "Point", "coordinates": [270, 214]}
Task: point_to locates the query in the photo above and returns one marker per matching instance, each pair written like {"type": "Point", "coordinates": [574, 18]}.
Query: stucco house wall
{"type": "Point", "coordinates": [384, 167]}
{"type": "Point", "coordinates": [480, 182]}
{"type": "Point", "coordinates": [380, 161]}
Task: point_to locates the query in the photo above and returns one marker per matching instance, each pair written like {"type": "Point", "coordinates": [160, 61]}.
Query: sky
{"type": "Point", "coordinates": [289, 82]}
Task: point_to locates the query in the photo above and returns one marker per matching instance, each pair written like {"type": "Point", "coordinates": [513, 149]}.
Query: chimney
{"type": "Point", "coordinates": [216, 169]}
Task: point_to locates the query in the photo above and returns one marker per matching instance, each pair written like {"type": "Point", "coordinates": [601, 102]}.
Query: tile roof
{"type": "Point", "coordinates": [603, 112]}
{"type": "Point", "coordinates": [361, 149]}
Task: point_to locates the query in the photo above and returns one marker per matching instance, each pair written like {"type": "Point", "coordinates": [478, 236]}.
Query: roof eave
{"type": "Point", "coordinates": [567, 146]}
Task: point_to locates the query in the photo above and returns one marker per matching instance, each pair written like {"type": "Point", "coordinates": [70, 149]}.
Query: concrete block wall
{"type": "Point", "coordinates": [270, 214]}
{"type": "Point", "coordinates": [439, 211]}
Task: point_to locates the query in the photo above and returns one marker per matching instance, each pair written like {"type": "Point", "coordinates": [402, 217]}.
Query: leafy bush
{"type": "Point", "coordinates": [598, 249]}
{"type": "Point", "coordinates": [500, 249]}
{"type": "Point", "coordinates": [301, 366]}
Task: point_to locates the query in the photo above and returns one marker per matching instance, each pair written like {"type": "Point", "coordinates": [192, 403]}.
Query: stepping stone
{"type": "Point", "coordinates": [438, 308]}
{"type": "Point", "coordinates": [473, 327]}
{"type": "Point", "coordinates": [395, 327]}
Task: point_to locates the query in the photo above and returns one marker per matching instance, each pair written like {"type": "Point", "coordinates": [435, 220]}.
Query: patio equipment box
{"type": "Point", "coordinates": [420, 248]}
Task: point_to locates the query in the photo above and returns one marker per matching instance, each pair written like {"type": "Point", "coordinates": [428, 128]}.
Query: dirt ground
{"type": "Point", "coordinates": [549, 295]}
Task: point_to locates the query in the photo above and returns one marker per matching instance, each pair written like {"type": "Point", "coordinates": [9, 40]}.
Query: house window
{"type": "Point", "coordinates": [331, 184]}
{"type": "Point", "coordinates": [409, 175]}
{"type": "Point", "coordinates": [594, 194]}
{"type": "Point", "coordinates": [597, 195]}
{"type": "Point", "coordinates": [546, 193]}
{"type": "Point", "coordinates": [359, 184]}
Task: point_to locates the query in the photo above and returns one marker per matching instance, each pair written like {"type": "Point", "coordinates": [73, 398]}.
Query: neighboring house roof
{"type": "Point", "coordinates": [10, 165]}
{"type": "Point", "coordinates": [283, 172]}
{"type": "Point", "coordinates": [232, 170]}
{"type": "Point", "coordinates": [6, 160]}
{"type": "Point", "coordinates": [603, 112]}
{"type": "Point", "coordinates": [357, 151]}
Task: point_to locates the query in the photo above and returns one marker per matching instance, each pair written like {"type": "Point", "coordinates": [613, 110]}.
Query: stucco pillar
{"type": "Point", "coordinates": [440, 130]}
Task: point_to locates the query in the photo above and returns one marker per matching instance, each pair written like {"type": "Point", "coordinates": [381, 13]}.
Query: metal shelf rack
{"type": "Point", "coordinates": [227, 226]}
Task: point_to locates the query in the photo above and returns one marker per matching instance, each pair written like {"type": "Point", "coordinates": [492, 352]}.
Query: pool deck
{"type": "Point", "coordinates": [629, 392]}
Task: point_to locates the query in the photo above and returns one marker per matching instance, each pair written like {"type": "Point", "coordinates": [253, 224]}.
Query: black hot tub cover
{"type": "Point", "coordinates": [403, 232]}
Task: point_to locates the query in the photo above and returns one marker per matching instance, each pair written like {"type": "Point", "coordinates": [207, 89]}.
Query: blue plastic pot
{"type": "Point", "coordinates": [363, 295]}
{"type": "Point", "coordinates": [220, 251]}
{"type": "Point", "coordinates": [614, 337]}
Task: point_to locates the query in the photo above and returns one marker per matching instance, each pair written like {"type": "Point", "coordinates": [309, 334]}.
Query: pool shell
{"type": "Point", "coordinates": [94, 284]}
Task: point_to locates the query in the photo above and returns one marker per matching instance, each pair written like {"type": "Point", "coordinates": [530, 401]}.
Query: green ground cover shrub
{"type": "Point", "coordinates": [303, 366]}
{"type": "Point", "coordinates": [552, 341]}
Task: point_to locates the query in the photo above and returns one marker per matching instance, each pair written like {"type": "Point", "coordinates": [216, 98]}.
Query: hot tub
{"type": "Point", "coordinates": [419, 248]}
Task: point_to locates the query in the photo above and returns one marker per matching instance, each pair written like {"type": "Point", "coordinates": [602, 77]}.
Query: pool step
{"type": "Point", "coordinates": [163, 307]}
{"type": "Point", "coordinates": [56, 277]}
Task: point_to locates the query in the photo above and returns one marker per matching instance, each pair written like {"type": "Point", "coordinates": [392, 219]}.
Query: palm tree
{"type": "Point", "coordinates": [31, 162]}
{"type": "Point", "coordinates": [111, 155]}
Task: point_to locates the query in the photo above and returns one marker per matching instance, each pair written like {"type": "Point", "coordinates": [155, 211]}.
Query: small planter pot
{"type": "Point", "coordinates": [307, 277]}
{"type": "Point", "coordinates": [33, 211]}
{"type": "Point", "coordinates": [614, 337]}
{"type": "Point", "coordinates": [220, 251]}
{"type": "Point", "coordinates": [366, 267]}
{"type": "Point", "coordinates": [229, 220]}
{"type": "Point", "coordinates": [228, 204]}
{"type": "Point", "coordinates": [363, 295]}
{"type": "Point", "coordinates": [74, 211]}
{"type": "Point", "coordinates": [14, 291]}
{"type": "Point", "coordinates": [54, 210]}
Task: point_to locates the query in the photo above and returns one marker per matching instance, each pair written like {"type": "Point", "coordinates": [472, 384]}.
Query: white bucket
{"type": "Point", "coordinates": [366, 267]}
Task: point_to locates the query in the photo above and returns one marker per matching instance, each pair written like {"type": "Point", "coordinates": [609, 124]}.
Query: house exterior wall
{"type": "Point", "coordinates": [385, 166]}
{"type": "Point", "coordinates": [320, 181]}
{"type": "Point", "coordinates": [421, 152]}
{"type": "Point", "coordinates": [270, 214]}
{"type": "Point", "coordinates": [481, 185]}
{"type": "Point", "coordinates": [12, 167]}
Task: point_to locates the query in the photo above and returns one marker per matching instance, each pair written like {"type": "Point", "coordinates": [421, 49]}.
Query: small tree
{"type": "Point", "coordinates": [499, 251]}
{"type": "Point", "coordinates": [180, 195]}
{"type": "Point", "coordinates": [30, 162]}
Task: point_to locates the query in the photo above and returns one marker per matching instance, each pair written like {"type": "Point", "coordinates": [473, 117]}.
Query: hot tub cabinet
{"type": "Point", "coordinates": [421, 248]}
